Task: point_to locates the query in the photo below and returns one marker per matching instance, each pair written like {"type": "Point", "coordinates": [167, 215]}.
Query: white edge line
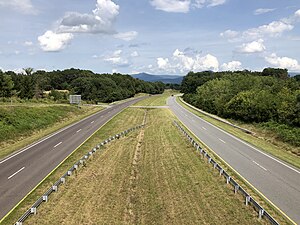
{"type": "Point", "coordinates": [16, 172]}
{"type": "Point", "coordinates": [243, 141]}
{"type": "Point", "coordinates": [30, 146]}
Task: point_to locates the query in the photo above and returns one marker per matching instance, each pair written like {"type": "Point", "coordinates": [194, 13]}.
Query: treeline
{"type": "Point", "coordinates": [270, 97]}
{"type": "Point", "coordinates": [92, 87]}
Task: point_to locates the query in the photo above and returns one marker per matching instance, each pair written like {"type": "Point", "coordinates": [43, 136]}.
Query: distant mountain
{"type": "Point", "coordinates": [292, 74]}
{"type": "Point", "coordinates": [172, 79]}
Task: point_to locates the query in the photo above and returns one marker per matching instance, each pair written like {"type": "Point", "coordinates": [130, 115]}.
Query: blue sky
{"type": "Point", "coordinates": [154, 36]}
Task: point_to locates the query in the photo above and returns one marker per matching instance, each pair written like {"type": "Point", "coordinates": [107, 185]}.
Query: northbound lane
{"type": "Point", "coordinates": [278, 181]}
{"type": "Point", "coordinates": [22, 171]}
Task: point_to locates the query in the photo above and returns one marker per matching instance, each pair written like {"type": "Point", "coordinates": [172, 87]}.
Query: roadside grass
{"type": "Point", "coordinates": [157, 100]}
{"type": "Point", "coordinates": [152, 176]}
{"type": "Point", "coordinates": [24, 124]}
{"type": "Point", "coordinates": [122, 121]}
{"type": "Point", "coordinates": [261, 140]}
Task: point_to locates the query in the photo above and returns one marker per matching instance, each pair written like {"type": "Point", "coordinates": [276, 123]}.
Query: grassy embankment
{"type": "Point", "coordinates": [262, 140]}
{"type": "Point", "coordinates": [152, 176]}
{"type": "Point", "coordinates": [23, 124]}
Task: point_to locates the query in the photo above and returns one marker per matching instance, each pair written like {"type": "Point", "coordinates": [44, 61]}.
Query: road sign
{"type": "Point", "coordinates": [75, 99]}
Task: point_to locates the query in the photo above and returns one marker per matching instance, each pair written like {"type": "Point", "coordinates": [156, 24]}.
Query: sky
{"type": "Point", "coordinates": [153, 36]}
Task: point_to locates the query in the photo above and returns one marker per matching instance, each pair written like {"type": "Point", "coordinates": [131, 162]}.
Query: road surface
{"type": "Point", "coordinates": [22, 171]}
{"type": "Point", "coordinates": [277, 180]}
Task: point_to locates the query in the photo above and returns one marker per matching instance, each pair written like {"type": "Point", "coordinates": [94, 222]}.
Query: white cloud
{"type": "Point", "coordinates": [272, 29]}
{"type": "Point", "coordinates": [134, 54]}
{"type": "Point", "coordinates": [53, 42]}
{"type": "Point", "coordinates": [126, 36]}
{"type": "Point", "coordinates": [208, 62]}
{"type": "Point", "coordinates": [252, 47]}
{"type": "Point", "coordinates": [283, 62]}
{"type": "Point", "coordinates": [117, 59]}
{"type": "Point", "coordinates": [231, 66]}
{"type": "Point", "coordinates": [28, 43]}
{"type": "Point", "coordinates": [181, 6]}
{"type": "Point", "coordinates": [100, 21]}
{"type": "Point", "coordinates": [230, 34]}
{"type": "Point", "coordinates": [22, 6]}
{"type": "Point", "coordinates": [262, 11]}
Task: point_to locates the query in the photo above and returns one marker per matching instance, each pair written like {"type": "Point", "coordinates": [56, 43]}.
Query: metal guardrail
{"type": "Point", "coordinates": [262, 213]}
{"type": "Point", "coordinates": [44, 198]}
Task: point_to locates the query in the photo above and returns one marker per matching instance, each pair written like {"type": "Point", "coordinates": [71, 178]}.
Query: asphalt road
{"type": "Point", "coordinates": [22, 171]}
{"type": "Point", "coordinates": [277, 180]}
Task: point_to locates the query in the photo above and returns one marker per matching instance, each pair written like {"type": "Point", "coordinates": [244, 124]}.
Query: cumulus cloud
{"type": "Point", "coordinates": [134, 54]}
{"type": "Point", "coordinates": [117, 59]}
{"type": "Point", "coordinates": [54, 42]}
{"type": "Point", "coordinates": [283, 62]}
{"type": "Point", "coordinates": [262, 11]}
{"type": "Point", "coordinates": [208, 3]}
{"type": "Point", "coordinates": [252, 47]}
{"type": "Point", "coordinates": [273, 29]}
{"type": "Point", "coordinates": [231, 66]}
{"type": "Point", "coordinates": [22, 6]}
{"type": "Point", "coordinates": [183, 6]}
{"type": "Point", "coordinates": [179, 6]}
{"type": "Point", "coordinates": [126, 36]}
{"type": "Point", "coordinates": [101, 20]}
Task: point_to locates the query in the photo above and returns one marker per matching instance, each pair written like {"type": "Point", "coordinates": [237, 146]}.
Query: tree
{"type": "Point", "coordinates": [6, 85]}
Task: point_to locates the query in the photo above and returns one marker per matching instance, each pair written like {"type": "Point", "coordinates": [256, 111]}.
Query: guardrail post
{"type": "Point", "coordinates": [75, 166]}
{"type": "Point", "coordinates": [227, 180]}
{"type": "Point", "coordinates": [261, 213]}
{"type": "Point", "coordinates": [54, 188]}
{"type": "Point", "coordinates": [215, 165]}
{"type": "Point", "coordinates": [63, 180]}
{"type": "Point", "coordinates": [33, 210]}
{"type": "Point", "coordinates": [248, 198]}
{"type": "Point", "coordinates": [69, 172]}
{"type": "Point", "coordinates": [81, 161]}
{"type": "Point", "coordinates": [221, 171]}
{"type": "Point", "coordinates": [236, 188]}
{"type": "Point", "coordinates": [18, 223]}
{"type": "Point", "coordinates": [209, 160]}
{"type": "Point", "coordinates": [45, 198]}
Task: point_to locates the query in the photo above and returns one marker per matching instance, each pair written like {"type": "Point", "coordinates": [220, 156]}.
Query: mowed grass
{"type": "Point", "coordinates": [261, 140]}
{"type": "Point", "coordinates": [152, 176]}
{"type": "Point", "coordinates": [124, 120]}
{"type": "Point", "coordinates": [21, 125]}
{"type": "Point", "coordinates": [157, 100]}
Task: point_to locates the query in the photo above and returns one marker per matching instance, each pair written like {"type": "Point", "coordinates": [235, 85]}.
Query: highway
{"type": "Point", "coordinates": [277, 180]}
{"type": "Point", "coordinates": [22, 171]}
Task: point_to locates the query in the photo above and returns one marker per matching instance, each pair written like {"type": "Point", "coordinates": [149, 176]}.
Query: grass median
{"type": "Point", "coordinates": [152, 176]}
{"type": "Point", "coordinates": [157, 100]}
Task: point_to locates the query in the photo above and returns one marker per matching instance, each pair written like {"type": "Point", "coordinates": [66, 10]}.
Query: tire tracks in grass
{"type": "Point", "coordinates": [131, 216]}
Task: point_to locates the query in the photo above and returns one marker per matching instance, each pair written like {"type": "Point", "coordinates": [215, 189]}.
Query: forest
{"type": "Point", "coordinates": [57, 85]}
{"type": "Point", "coordinates": [269, 98]}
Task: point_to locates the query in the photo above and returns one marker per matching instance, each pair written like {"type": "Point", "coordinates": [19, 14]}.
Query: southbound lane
{"type": "Point", "coordinates": [22, 171]}
{"type": "Point", "coordinates": [277, 180]}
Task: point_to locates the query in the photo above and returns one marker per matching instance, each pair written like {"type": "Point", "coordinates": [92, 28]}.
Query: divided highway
{"type": "Point", "coordinates": [275, 179]}
{"type": "Point", "coordinates": [22, 171]}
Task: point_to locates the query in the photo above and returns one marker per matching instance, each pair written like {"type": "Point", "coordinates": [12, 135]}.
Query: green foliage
{"type": "Point", "coordinates": [251, 97]}
{"type": "Point", "coordinates": [6, 85]}
{"type": "Point", "coordinates": [92, 87]}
